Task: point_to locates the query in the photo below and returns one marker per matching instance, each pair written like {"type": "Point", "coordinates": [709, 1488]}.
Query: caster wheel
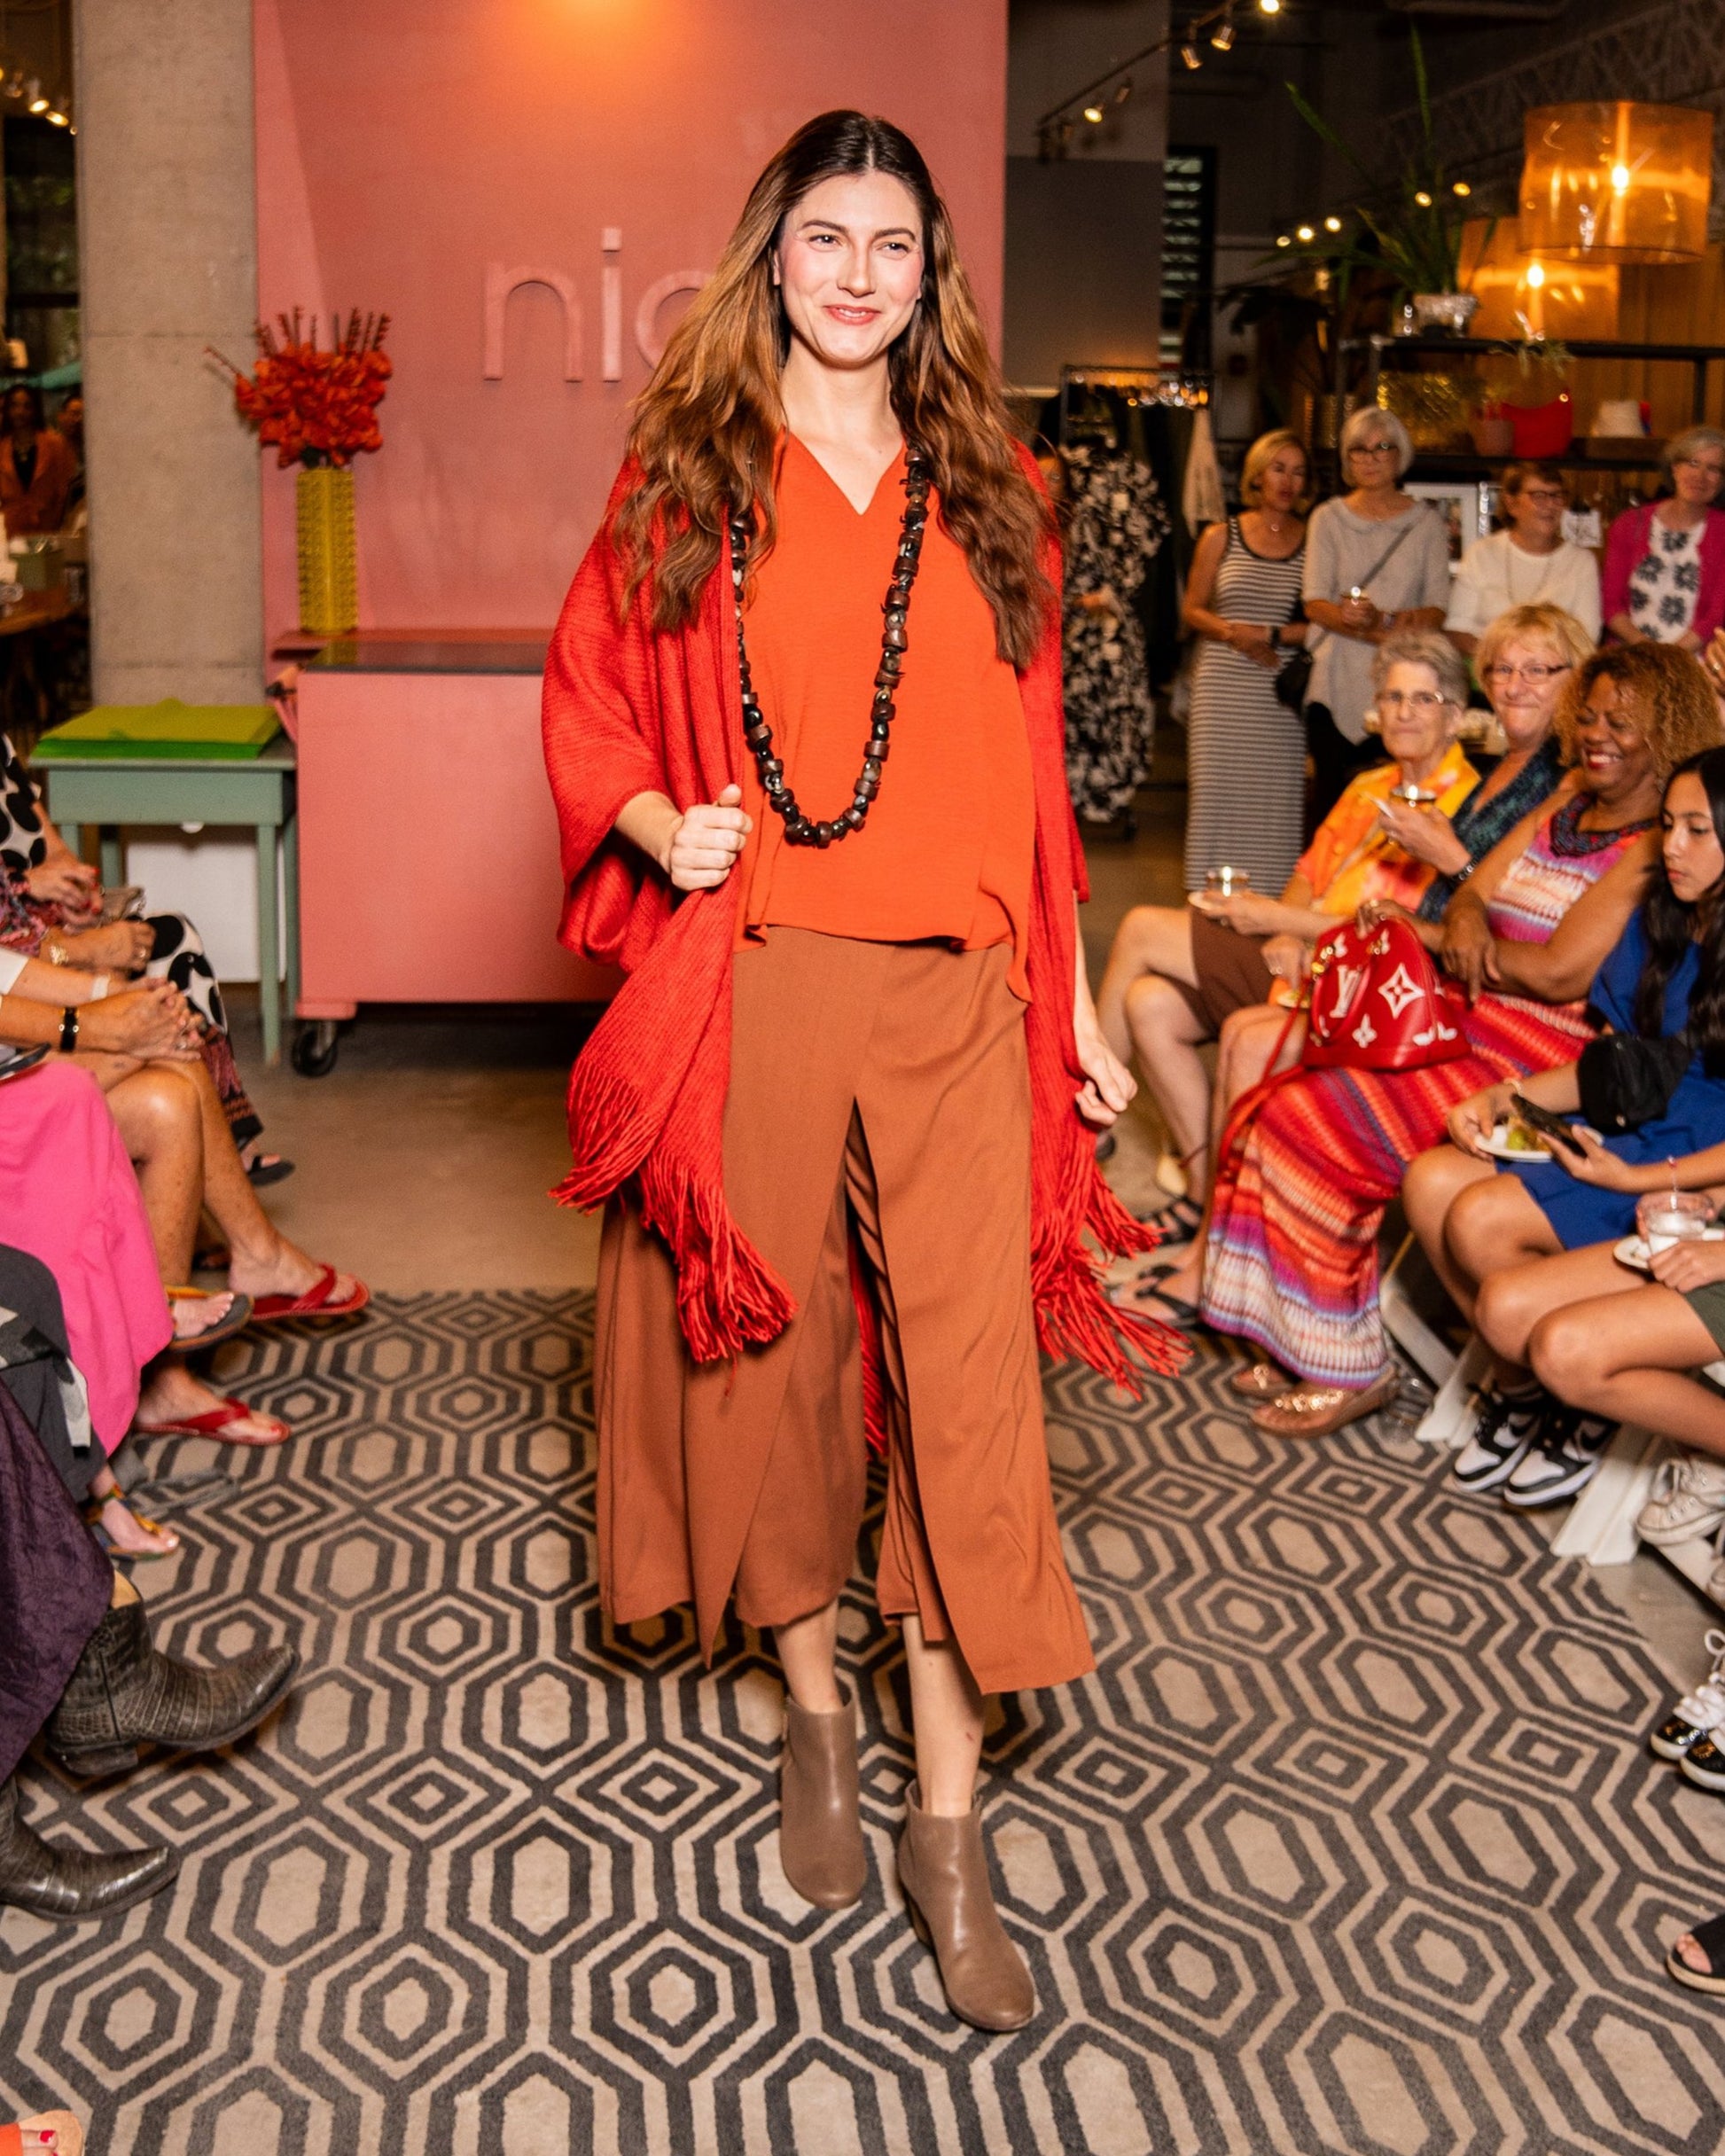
{"type": "Point", "coordinates": [315, 1048]}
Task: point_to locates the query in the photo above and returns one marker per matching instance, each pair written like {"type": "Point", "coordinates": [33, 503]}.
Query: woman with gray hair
{"type": "Point", "coordinates": [1664, 579]}
{"type": "Point", "coordinates": [1377, 565]}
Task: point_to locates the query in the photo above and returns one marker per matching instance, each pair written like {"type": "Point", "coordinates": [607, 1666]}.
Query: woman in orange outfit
{"type": "Point", "coordinates": [802, 720]}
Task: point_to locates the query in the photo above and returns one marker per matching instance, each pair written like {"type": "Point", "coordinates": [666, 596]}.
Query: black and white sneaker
{"type": "Point", "coordinates": [1562, 1465]}
{"type": "Point", "coordinates": [1507, 1426]}
{"type": "Point", "coordinates": [1699, 1713]}
{"type": "Point", "coordinates": [1703, 1764]}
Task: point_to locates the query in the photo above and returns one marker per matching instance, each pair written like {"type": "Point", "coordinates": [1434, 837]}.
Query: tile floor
{"type": "Point", "coordinates": [425, 1157]}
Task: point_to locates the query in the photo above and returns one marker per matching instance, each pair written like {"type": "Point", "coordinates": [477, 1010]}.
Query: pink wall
{"type": "Point", "coordinates": [405, 145]}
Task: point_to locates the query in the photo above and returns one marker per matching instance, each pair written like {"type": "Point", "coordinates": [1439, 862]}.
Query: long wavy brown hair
{"type": "Point", "coordinates": [707, 424]}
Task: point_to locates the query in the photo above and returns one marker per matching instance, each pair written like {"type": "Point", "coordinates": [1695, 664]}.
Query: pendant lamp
{"type": "Point", "coordinates": [1522, 293]}
{"type": "Point", "coordinates": [1614, 182]}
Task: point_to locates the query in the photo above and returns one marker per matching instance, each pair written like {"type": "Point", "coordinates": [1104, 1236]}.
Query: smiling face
{"type": "Point", "coordinates": [1524, 682]}
{"type": "Point", "coordinates": [1415, 722]}
{"type": "Point", "coordinates": [1615, 755]}
{"type": "Point", "coordinates": [849, 264]}
{"type": "Point", "coordinates": [1694, 859]}
{"type": "Point", "coordinates": [1535, 513]}
{"type": "Point", "coordinates": [1696, 479]}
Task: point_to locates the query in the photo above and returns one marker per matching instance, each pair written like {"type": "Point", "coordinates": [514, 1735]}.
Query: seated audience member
{"type": "Point", "coordinates": [51, 905]}
{"type": "Point", "coordinates": [1292, 1256]}
{"type": "Point", "coordinates": [161, 1095]}
{"type": "Point", "coordinates": [1664, 576]}
{"type": "Point", "coordinates": [1583, 1342]}
{"type": "Point", "coordinates": [37, 467]}
{"type": "Point", "coordinates": [1178, 976]}
{"type": "Point", "coordinates": [79, 1665]}
{"type": "Point", "coordinates": [1529, 563]}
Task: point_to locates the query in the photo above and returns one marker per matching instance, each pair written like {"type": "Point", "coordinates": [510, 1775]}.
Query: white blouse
{"type": "Point", "coordinates": [1496, 574]}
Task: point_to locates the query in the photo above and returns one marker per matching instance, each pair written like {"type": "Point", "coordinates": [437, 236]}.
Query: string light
{"type": "Point", "coordinates": [1270, 7]}
{"type": "Point", "coordinates": [1332, 224]}
{"type": "Point", "coordinates": [1422, 199]}
{"type": "Point", "coordinates": [1304, 235]}
{"type": "Point", "coordinates": [1462, 189]}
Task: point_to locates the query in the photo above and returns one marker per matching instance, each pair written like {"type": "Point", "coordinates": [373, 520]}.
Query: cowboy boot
{"type": "Point", "coordinates": [72, 1883]}
{"type": "Point", "coordinates": [945, 1876]}
{"type": "Point", "coordinates": [820, 1832]}
{"type": "Point", "coordinates": [123, 1694]}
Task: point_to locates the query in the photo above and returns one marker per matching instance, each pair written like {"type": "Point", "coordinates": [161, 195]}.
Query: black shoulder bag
{"type": "Point", "coordinates": [1626, 1081]}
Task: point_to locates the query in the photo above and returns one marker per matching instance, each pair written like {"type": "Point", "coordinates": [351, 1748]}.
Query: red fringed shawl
{"type": "Point", "coordinates": [628, 709]}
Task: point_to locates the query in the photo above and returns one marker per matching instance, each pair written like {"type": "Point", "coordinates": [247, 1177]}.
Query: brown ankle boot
{"type": "Point", "coordinates": [945, 1877]}
{"type": "Point", "coordinates": [820, 1834]}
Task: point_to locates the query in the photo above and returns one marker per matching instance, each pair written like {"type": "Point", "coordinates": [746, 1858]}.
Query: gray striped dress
{"type": "Point", "coordinates": [1246, 753]}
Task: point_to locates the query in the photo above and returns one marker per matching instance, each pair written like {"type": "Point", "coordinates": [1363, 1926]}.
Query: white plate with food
{"type": "Point", "coordinates": [1515, 1142]}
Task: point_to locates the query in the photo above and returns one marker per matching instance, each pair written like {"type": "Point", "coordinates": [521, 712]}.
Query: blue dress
{"type": "Point", "coordinates": [1694, 1118]}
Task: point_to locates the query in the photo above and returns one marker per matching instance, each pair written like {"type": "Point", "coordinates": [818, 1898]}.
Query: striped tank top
{"type": "Point", "coordinates": [1561, 862]}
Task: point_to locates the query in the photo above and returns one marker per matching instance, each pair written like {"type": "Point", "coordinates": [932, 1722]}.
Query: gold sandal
{"type": "Point", "coordinates": [1261, 1381]}
{"type": "Point", "coordinates": [1316, 1411]}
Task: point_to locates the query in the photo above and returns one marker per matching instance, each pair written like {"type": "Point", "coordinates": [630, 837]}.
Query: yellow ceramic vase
{"type": "Point", "coordinates": [329, 581]}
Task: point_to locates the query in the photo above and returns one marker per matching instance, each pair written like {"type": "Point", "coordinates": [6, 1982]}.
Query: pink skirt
{"type": "Point", "coordinates": [69, 1195]}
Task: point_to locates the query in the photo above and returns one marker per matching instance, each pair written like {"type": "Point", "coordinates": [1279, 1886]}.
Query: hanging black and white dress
{"type": "Point", "coordinates": [1246, 753]}
{"type": "Point", "coordinates": [1115, 523]}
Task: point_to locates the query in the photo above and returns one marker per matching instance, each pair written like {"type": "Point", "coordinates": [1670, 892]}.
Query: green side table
{"type": "Point", "coordinates": [113, 792]}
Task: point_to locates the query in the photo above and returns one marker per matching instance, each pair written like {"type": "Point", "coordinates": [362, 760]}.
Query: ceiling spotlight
{"type": "Point", "coordinates": [1462, 189]}
{"type": "Point", "coordinates": [57, 115]}
{"type": "Point", "coordinates": [1093, 113]}
{"type": "Point", "coordinates": [13, 85]}
{"type": "Point", "coordinates": [1191, 56]}
{"type": "Point", "coordinates": [1304, 234]}
{"type": "Point", "coordinates": [1270, 7]}
{"type": "Point", "coordinates": [1124, 91]}
{"type": "Point", "coordinates": [1332, 224]}
{"type": "Point", "coordinates": [32, 95]}
{"type": "Point", "coordinates": [1283, 241]}
{"type": "Point", "coordinates": [1422, 199]}
{"type": "Point", "coordinates": [1223, 37]}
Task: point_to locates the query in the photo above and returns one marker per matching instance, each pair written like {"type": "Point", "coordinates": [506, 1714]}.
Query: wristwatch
{"type": "Point", "coordinates": [68, 1030]}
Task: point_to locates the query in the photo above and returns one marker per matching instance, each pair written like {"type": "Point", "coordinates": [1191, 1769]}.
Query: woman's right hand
{"type": "Point", "coordinates": [119, 946]}
{"type": "Point", "coordinates": [1467, 953]}
{"type": "Point", "coordinates": [1472, 1121]}
{"type": "Point", "coordinates": [705, 841]}
{"type": "Point", "coordinates": [1426, 833]}
{"type": "Point", "coordinates": [154, 1023]}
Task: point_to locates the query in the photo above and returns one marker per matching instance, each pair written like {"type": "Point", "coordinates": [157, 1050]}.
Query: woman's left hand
{"type": "Point", "coordinates": [1109, 1086]}
{"type": "Point", "coordinates": [64, 881]}
{"type": "Point", "coordinates": [119, 946]}
{"type": "Point", "coordinates": [1594, 1164]}
{"type": "Point", "coordinates": [1287, 958]}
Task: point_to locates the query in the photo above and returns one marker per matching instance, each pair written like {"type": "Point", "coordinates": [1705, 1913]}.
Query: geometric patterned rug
{"type": "Point", "coordinates": [1352, 1846]}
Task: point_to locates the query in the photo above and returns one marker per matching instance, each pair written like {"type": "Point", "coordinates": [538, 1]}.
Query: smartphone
{"type": "Point", "coordinates": [1548, 1124]}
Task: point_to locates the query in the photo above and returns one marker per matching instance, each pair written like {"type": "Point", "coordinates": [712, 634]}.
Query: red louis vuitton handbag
{"type": "Point", "coordinates": [1379, 1003]}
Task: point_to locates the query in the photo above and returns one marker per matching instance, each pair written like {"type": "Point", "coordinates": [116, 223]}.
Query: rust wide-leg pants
{"type": "Point", "coordinates": [884, 1084]}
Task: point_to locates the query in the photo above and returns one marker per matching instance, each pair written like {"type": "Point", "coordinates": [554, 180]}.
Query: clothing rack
{"type": "Point", "coordinates": [1167, 384]}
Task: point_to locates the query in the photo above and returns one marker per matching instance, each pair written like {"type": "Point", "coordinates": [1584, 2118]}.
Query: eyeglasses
{"type": "Point", "coordinates": [1534, 675]}
{"type": "Point", "coordinates": [1698, 464]}
{"type": "Point", "coordinates": [1372, 448]}
{"type": "Point", "coordinates": [1553, 497]}
{"type": "Point", "coordinates": [1421, 700]}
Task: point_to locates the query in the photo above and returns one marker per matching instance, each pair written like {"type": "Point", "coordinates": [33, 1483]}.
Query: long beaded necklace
{"type": "Point", "coordinates": [800, 830]}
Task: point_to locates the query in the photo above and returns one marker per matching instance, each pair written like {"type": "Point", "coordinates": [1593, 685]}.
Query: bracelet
{"type": "Point", "coordinates": [101, 984]}
{"type": "Point", "coordinates": [57, 953]}
{"type": "Point", "coordinates": [68, 1030]}
{"type": "Point", "coordinates": [1462, 874]}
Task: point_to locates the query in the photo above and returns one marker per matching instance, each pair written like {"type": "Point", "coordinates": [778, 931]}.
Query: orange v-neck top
{"type": "Point", "coordinates": [947, 851]}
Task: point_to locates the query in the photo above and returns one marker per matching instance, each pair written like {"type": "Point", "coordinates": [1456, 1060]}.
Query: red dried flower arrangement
{"type": "Point", "coordinates": [318, 407]}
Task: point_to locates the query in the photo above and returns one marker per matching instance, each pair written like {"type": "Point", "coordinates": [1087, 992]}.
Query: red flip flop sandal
{"type": "Point", "coordinates": [314, 1303]}
{"type": "Point", "coordinates": [218, 1423]}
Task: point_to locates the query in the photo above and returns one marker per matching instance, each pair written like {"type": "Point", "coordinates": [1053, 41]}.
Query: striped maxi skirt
{"type": "Point", "coordinates": [1292, 1262]}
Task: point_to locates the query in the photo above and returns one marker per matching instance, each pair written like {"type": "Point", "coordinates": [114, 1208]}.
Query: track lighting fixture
{"type": "Point", "coordinates": [1191, 56]}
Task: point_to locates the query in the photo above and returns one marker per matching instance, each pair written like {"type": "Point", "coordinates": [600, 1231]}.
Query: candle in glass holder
{"type": "Point", "coordinates": [1224, 881]}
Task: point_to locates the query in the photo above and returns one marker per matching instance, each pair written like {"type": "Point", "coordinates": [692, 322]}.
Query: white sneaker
{"type": "Point", "coordinates": [1698, 1713]}
{"type": "Point", "coordinates": [1688, 1501]}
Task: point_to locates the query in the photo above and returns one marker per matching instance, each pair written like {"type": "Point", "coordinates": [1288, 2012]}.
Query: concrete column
{"type": "Point", "coordinates": [167, 243]}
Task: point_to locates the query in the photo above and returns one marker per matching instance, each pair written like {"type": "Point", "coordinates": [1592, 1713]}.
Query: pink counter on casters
{"type": "Point", "coordinates": [428, 845]}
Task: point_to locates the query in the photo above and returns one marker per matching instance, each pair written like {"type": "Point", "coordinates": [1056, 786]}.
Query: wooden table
{"type": "Point", "coordinates": [115, 791]}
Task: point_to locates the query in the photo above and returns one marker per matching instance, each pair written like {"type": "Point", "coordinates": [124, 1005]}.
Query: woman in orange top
{"type": "Point", "coordinates": [37, 467]}
{"type": "Point", "coordinates": [809, 674]}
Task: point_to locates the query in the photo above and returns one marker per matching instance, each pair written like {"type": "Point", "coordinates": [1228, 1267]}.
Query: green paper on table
{"type": "Point", "coordinates": [229, 732]}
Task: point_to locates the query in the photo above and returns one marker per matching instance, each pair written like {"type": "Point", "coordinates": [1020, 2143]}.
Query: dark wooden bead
{"type": "Point", "coordinates": [893, 639]}
{"type": "Point", "coordinates": [824, 835]}
{"type": "Point", "coordinates": [854, 816]}
{"type": "Point", "coordinates": [867, 787]}
{"type": "Point", "coordinates": [770, 769]}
